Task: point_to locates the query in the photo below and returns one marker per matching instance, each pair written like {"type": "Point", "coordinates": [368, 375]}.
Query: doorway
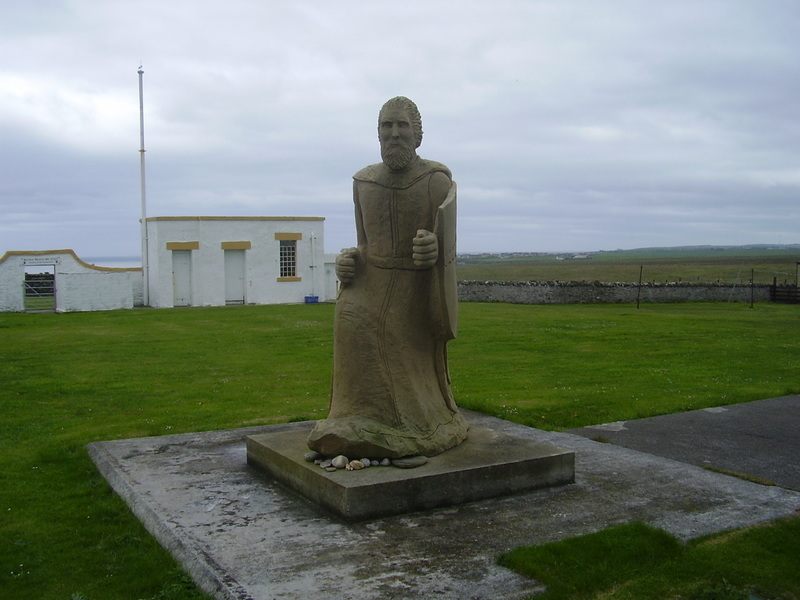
{"type": "Point", "coordinates": [181, 277]}
{"type": "Point", "coordinates": [234, 277]}
{"type": "Point", "coordinates": [40, 288]}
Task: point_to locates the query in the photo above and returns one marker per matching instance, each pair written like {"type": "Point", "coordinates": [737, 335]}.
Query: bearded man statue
{"type": "Point", "coordinates": [397, 308]}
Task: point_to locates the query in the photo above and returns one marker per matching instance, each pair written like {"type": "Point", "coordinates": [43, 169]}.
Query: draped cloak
{"type": "Point", "coordinates": [391, 393]}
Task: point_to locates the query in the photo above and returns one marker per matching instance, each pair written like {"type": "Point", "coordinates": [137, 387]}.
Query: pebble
{"type": "Point", "coordinates": [340, 462]}
{"type": "Point", "coordinates": [409, 462]}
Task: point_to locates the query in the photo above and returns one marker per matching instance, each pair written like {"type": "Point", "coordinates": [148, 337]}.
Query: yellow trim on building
{"type": "Point", "coordinates": [236, 245]}
{"type": "Point", "coordinates": [286, 237]}
{"type": "Point", "coordinates": [289, 279]}
{"type": "Point", "coordinates": [183, 245]}
{"type": "Point", "coordinates": [11, 253]}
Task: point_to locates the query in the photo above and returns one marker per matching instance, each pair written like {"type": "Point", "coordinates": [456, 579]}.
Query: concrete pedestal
{"type": "Point", "coordinates": [488, 464]}
{"type": "Point", "coordinates": [242, 535]}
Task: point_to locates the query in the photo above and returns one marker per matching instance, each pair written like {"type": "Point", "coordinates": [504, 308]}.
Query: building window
{"type": "Point", "coordinates": [288, 258]}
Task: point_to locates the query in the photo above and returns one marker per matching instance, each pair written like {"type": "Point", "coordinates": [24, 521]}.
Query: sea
{"type": "Point", "coordinates": [114, 262]}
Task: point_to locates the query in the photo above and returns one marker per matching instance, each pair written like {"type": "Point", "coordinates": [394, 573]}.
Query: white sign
{"type": "Point", "coordinates": [41, 260]}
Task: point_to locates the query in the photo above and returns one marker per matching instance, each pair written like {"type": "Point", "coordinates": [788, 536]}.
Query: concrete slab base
{"type": "Point", "coordinates": [243, 536]}
{"type": "Point", "coordinates": [488, 464]}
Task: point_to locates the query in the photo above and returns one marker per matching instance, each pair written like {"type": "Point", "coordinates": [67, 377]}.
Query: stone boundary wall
{"type": "Point", "coordinates": [576, 292]}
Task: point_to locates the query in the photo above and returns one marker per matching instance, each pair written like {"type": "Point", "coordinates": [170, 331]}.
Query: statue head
{"type": "Point", "coordinates": [400, 132]}
{"type": "Point", "coordinates": [404, 104]}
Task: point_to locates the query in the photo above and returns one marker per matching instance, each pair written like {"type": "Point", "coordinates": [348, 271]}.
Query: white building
{"type": "Point", "coordinates": [214, 261]}
{"type": "Point", "coordinates": [190, 261]}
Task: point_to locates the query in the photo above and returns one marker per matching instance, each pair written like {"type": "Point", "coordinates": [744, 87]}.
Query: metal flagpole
{"type": "Point", "coordinates": [145, 257]}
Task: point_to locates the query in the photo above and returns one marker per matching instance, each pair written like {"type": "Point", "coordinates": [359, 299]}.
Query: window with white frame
{"type": "Point", "coordinates": [288, 258]}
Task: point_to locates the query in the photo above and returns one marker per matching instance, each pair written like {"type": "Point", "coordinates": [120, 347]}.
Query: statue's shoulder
{"type": "Point", "coordinates": [431, 166]}
{"type": "Point", "coordinates": [373, 173]}
{"type": "Point", "coordinates": [379, 173]}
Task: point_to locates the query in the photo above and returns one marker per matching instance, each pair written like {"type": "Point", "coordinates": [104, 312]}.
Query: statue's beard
{"type": "Point", "coordinates": [397, 156]}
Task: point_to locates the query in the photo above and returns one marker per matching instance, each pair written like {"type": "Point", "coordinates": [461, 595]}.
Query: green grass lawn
{"type": "Point", "coordinates": [70, 379]}
{"type": "Point", "coordinates": [636, 562]}
{"type": "Point", "coordinates": [560, 367]}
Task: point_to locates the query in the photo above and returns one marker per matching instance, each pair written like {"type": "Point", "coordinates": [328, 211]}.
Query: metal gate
{"type": "Point", "coordinates": [40, 292]}
{"type": "Point", "coordinates": [787, 294]}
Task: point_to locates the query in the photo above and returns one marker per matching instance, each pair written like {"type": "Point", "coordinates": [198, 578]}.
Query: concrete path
{"type": "Point", "coordinates": [242, 536]}
{"type": "Point", "coordinates": [760, 439]}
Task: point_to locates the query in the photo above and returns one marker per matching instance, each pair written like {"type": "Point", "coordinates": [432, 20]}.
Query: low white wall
{"type": "Point", "coordinates": [80, 286]}
{"type": "Point", "coordinates": [93, 291]}
{"type": "Point", "coordinates": [12, 292]}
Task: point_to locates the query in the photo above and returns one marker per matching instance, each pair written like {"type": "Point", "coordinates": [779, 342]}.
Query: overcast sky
{"type": "Point", "coordinates": [569, 125]}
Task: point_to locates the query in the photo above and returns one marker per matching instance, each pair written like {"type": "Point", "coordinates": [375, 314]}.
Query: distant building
{"type": "Point", "coordinates": [191, 261]}
{"type": "Point", "coordinates": [214, 261]}
{"type": "Point", "coordinates": [574, 257]}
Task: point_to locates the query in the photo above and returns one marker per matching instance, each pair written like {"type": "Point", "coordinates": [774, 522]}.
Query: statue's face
{"type": "Point", "coordinates": [396, 128]}
{"type": "Point", "coordinates": [398, 144]}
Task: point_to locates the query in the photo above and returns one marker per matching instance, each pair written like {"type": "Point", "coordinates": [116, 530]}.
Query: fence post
{"type": "Point", "coordinates": [639, 289]}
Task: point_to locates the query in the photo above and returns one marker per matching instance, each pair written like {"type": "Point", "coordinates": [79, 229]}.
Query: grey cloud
{"type": "Point", "coordinates": [569, 126]}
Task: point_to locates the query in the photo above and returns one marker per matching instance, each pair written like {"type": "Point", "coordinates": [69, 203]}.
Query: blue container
{"type": "Point", "coordinates": [312, 299]}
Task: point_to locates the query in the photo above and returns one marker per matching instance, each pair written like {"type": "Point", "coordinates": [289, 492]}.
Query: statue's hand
{"type": "Point", "coordinates": [426, 248]}
{"type": "Point", "coordinates": [346, 264]}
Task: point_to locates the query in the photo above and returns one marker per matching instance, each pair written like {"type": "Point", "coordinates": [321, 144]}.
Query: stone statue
{"type": "Point", "coordinates": [397, 308]}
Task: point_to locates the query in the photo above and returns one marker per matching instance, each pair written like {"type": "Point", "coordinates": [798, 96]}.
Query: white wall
{"type": "Point", "coordinates": [92, 291]}
{"type": "Point", "coordinates": [79, 285]}
{"type": "Point", "coordinates": [204, 237]}
{"type": "Point", "coordinates": [331, 281]}
{"type": "Point", "coordinates": [12, 278]}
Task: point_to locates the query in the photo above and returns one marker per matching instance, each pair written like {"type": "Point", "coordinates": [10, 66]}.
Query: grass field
{"type": "Point", "coordinates": [734, 265]}
{"type": "Point", "coordinates": [635, 562]}
{"type": "Point", "coordinates": [70, 379]}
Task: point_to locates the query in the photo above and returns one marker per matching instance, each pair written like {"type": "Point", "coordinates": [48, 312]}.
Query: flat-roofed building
{"type": "Point", "coordinates": [214, 261]}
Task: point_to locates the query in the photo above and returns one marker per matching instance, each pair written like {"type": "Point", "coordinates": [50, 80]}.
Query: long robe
{"type": "Point", "coordinates": [391, 393]}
